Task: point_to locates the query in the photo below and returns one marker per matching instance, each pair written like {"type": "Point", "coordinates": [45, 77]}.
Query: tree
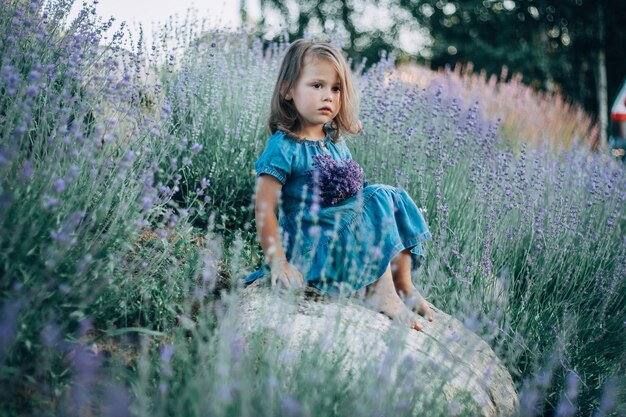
{"type": "Point", "coordinates": [337, 16]}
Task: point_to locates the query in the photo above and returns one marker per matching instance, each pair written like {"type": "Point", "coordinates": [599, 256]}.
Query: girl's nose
{"type": "Point", "coordinates": [328, 95]}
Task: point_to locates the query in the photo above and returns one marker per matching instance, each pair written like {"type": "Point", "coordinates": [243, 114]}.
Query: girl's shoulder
{"type": "Point", "coordinates": [280, 143]}
{"type": "Point", "coordinates": [280, 139]}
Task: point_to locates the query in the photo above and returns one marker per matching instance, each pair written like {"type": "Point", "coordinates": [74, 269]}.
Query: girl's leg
{"type": "Point", "coordinates": [401, 273]}
{"type": "Point", "coordinates": [382, 296]}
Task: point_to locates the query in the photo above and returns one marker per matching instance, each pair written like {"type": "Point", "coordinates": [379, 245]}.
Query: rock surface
{"type": "Point", "coordinates": [455, 370]}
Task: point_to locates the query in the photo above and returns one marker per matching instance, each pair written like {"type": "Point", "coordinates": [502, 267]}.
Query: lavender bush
{"type": "Point", "coordinates": [79, 184]}
{"type": "Point", "coordinates": [224, 126]}
{"type": "Point", "coordinates": [117, 166]}
{"type": "Point", "coordinates": [526, 246]}
{"type": "Point", "coordinates": [556, 123]}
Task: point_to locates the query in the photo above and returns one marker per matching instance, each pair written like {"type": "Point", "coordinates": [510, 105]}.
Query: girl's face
{"type": "Point", "coordinates": [316, 95]}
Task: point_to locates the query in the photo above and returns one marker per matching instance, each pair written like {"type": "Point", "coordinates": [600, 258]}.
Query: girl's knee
{"type": "Point", "coordinates": [403, 257]}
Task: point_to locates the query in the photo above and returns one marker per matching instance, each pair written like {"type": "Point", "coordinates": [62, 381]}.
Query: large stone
{"type": "Point", "coordinates": [456, 370]}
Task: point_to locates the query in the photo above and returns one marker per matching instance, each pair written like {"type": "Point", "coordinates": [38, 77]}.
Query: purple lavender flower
{"type": "Point", "coordinates": [8, 325]}
{"type": "Point", "coordinates": [27, 170]}
{"type": "Point", "coordinates": [85, 262]}
{"type": "Point", "coordinates": [62, 236]}
{"type": "Point", "coordinates": [290, 407]}
{"type": "Point", "coordinates": [34, 76]}
{"type": "Point", "coordinates": [50, 202]}
{"type": "Point", "coordinates": [50, 335]}
{"type": "Point", "coordinates": [529, 397]}
{"type": "Point", "coordinates": [32, 90]}
{"type": "Point", "coordinates": [199, 292]}
{"type": "Point", "coordinates": [166, 352]}
{"type": "Point", "coordinates": [336, 181]}
{"type": "Point", "coordinates": [59, 186]}
{"type": "Point", "coordinates": [173, 220]}
{"type": "Point", "coordinates": [19, 131]}
{"type": "Point", "coordinates": [11, 79]}
{"type": "Point", "coordinates": [146, 202]}
{"type": "Point", "coordinates": [116, 403]}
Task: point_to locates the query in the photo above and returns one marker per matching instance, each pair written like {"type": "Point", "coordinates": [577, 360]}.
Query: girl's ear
{"type": "Point", "coordinates": [284, 93]}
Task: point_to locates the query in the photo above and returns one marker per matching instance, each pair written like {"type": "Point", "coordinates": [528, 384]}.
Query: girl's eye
{"type": "Point", "coordinates": [317, 85]}
{"type": "Point", "coordinates": [336, 89]}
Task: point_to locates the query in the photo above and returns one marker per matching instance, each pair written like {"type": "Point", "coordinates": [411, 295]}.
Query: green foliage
{"type": "Point", "coordinates": [152, 281]}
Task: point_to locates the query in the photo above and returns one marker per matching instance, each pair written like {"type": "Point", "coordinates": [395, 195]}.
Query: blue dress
{"type": "Point", "coordinates": [345, 246]}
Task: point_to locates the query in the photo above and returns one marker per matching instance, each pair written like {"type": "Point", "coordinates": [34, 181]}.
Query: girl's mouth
{"type": "Point", "coordinates": [325, 110]}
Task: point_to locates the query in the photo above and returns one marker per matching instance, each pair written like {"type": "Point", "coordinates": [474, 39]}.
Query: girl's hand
{"type": "Point", "coordinates": [287, 275]}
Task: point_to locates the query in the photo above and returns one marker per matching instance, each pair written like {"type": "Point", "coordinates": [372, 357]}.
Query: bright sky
{"type": "Point", "coordinates": [219, 13]}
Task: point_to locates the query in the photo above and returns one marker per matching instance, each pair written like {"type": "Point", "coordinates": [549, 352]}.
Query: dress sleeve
{"type": "Point", "coordinates": [277, 158]}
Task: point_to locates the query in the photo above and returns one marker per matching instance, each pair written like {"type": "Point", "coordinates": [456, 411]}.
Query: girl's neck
{"type": "Point", "coordinates": [312, 133]}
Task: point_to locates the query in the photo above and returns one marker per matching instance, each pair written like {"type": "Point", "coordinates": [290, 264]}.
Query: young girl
{"type": "Point", "coordinates": [338, 236]}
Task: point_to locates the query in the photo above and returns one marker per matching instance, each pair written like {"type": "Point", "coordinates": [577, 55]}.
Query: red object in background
{"type": "Point", "coordinates": [618, 112]}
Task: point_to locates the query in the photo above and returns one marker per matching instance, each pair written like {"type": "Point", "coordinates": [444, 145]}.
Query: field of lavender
{"type": "Point", "coordinates": [126, 227]}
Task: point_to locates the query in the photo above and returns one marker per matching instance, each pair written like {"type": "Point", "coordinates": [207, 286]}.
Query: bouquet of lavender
{"type": "Point", "coordinates": [336, 181]}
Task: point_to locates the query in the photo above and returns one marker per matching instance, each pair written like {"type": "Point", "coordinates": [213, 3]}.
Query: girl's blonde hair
{"type": "Point", "coordinates": [283, 113]}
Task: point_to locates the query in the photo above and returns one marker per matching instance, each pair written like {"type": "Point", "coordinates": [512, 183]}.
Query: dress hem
{"type": "Point", "coordinates": [410, 243]}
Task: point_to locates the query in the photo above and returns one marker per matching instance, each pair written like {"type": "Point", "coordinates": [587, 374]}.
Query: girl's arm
{"type": "Point", "coordinates": [267, 195]}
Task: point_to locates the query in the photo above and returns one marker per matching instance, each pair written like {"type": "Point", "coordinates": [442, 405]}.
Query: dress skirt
{"type": "Point", "coordinates": [344, 247]}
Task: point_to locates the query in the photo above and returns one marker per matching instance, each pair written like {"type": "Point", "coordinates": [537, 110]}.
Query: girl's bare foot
{"type": "Point", "coordinates": [401, 273]}
{"type": "Point", "coordinates": [382, 297]}
{"type": "Point", "coordinates": [414, 301]}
